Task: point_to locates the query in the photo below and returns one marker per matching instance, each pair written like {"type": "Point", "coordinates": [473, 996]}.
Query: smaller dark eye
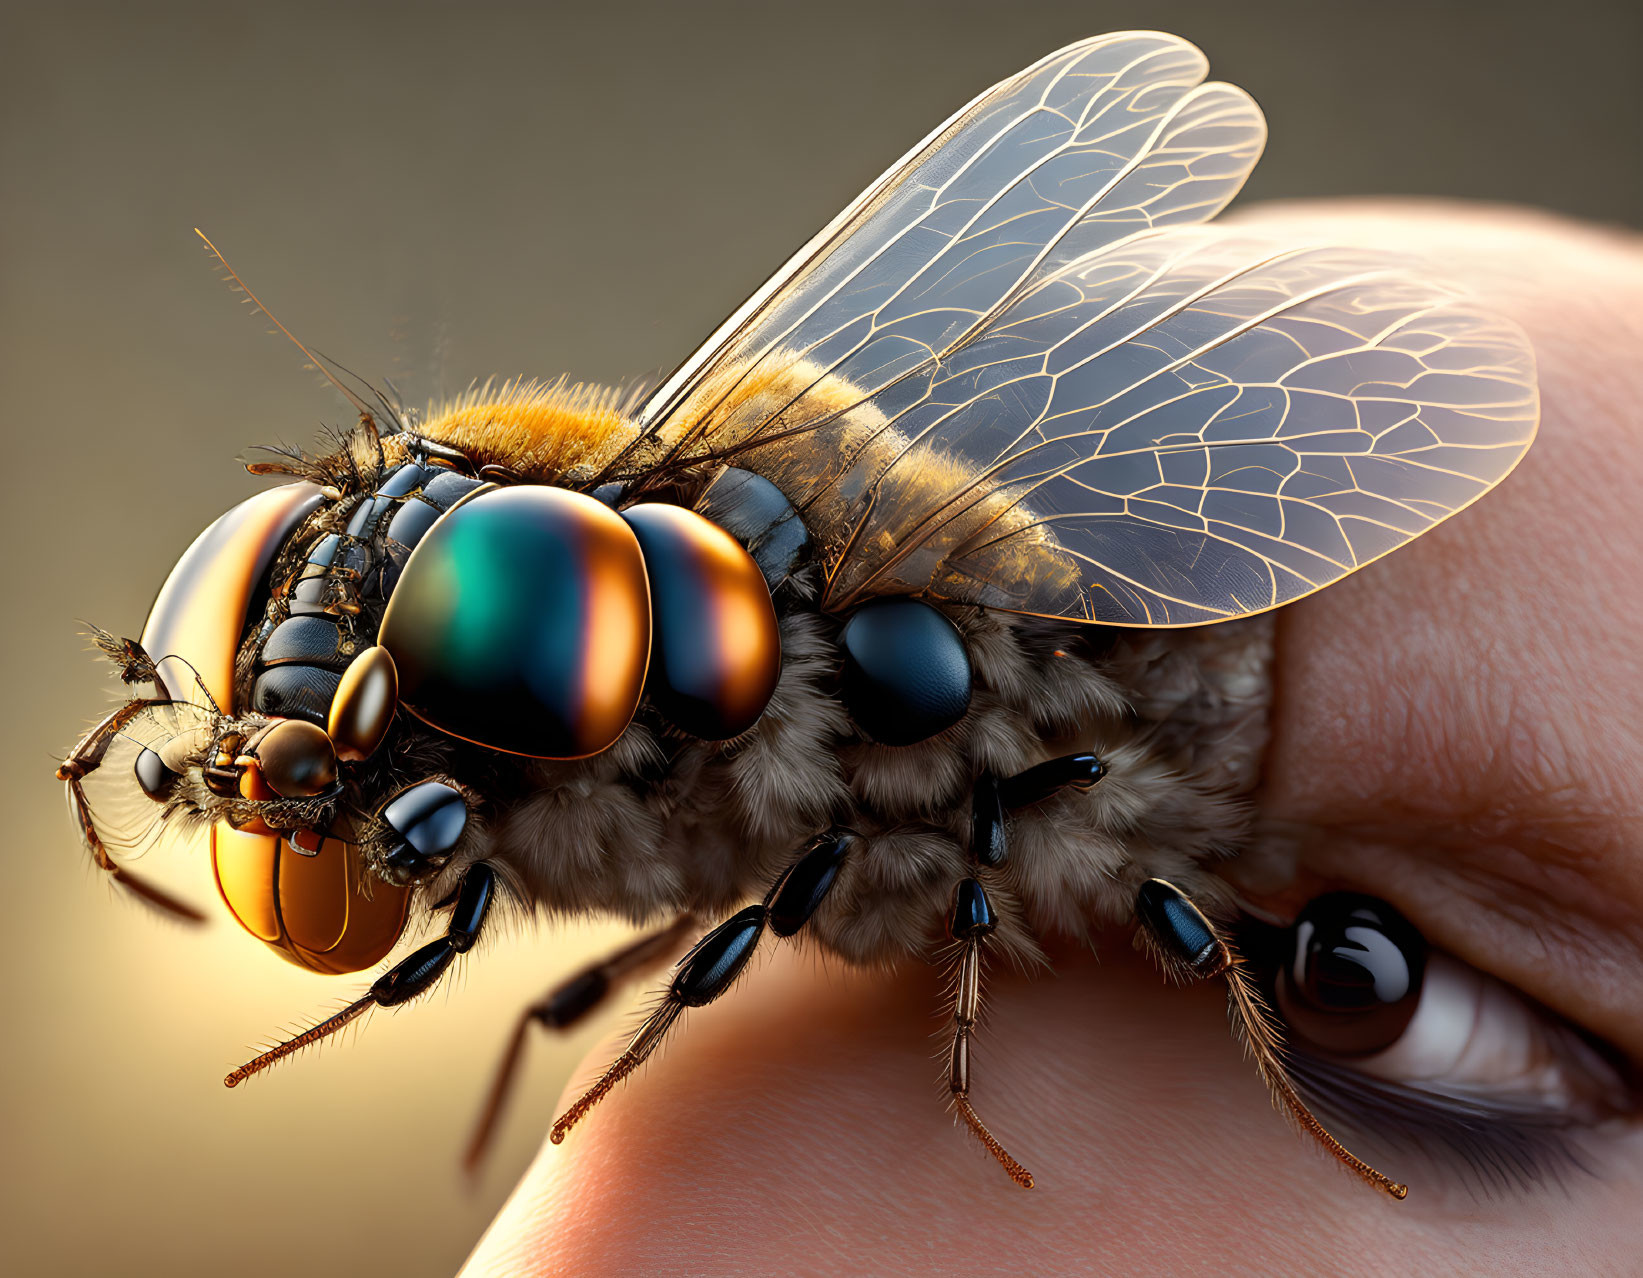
{"type": "Point", "coordinates": [1352, 978]}
{"type": "Point", "coordinates": [154, 777]}
{"type": "Point", "coordinates": [297, 759]}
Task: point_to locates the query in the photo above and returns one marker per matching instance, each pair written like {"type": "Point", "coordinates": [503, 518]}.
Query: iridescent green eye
{"type": "Point", "coordinates": [522, 623]}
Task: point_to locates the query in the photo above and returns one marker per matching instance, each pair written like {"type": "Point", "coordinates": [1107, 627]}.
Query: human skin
{"type": "Point", "coordinates": [1456, 729]}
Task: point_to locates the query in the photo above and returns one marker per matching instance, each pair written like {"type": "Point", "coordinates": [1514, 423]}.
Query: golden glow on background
{"type": "Point", "coordinates": [433, 196]}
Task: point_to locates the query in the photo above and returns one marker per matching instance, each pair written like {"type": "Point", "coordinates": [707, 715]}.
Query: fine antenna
{"type": "Point", "coordinates": [256, 301]}
{"type": "Point", "coordinates": [387, 406]}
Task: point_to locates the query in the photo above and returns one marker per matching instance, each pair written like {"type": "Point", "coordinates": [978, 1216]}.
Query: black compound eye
{"type": "Point", "coordinates": [906, 671]}
{"type": "Point", "coordinates": [153, 775]}
{"type": "Point", "coordinates": [1352, 979]}
{"type": "Point", "coordinates": [430, 816]}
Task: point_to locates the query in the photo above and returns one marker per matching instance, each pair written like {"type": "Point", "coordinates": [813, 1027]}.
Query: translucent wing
{"type": "Point", "coordinates": [995, 380]}
{"type": "Point", "coordinates": [1183, 429]}
{"type": "Point", "coordinates": [1106, 137]}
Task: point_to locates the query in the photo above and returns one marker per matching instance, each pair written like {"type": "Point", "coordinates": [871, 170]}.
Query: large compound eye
{"type": "Point", "coordinates": [194, 628]}
{"type": "Point", "coordinates": [296, 759]}
{"type": "Point", "coordinates": [1353, 977]}
{"type": "Point", "coordinates": [521, 622]}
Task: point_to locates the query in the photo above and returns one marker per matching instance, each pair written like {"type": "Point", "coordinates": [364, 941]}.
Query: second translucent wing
{"type": "Point", "coordinates": [1186, 428]}
{"type": "Point", "coordinates": [1008, 376]}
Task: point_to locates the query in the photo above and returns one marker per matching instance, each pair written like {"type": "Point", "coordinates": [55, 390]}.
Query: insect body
{"type": "Point", "coordinates": [841, 619]}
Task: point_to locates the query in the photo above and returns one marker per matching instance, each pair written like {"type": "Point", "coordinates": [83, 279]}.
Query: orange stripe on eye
{"type": "Point", "coordinates": [716, 653]}
{"type": "Point", "coordinates": [616, 638]}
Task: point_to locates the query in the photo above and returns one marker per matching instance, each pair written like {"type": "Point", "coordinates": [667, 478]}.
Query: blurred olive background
{"type": "Point", "coordinates": [435, 194]}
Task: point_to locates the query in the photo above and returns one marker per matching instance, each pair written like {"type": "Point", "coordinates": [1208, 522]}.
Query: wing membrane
{"type": "Point", "coordinates": [1106, 137]}
{"type": "Point", "coordinates": [1008, 375]}
{"type": "Point", "coordinates": [1185, 429]}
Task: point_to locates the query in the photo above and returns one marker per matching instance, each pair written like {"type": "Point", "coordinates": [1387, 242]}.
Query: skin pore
{"type": "Point", "coordinates": [1458, 729]}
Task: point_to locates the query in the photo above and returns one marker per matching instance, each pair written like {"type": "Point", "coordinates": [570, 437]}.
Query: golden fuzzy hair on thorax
{"type": "Point", "coordinates": [908, 508]}
{"type": "Point", "coordinates": [548, 432]}
{"type": "Point", "coordinates": [818, 437]}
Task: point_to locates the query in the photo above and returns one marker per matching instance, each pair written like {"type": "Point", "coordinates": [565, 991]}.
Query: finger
{"type": "Point", "coordinates": [801, 1129]}
{"type": "Point", "coordinates": [798, 1127]}
{"type": "Point", "coordinates": [1459, 727]}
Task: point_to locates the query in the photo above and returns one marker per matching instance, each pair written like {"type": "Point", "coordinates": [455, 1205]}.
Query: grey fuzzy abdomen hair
{"type": "Point", "coordinates": [662, 824]}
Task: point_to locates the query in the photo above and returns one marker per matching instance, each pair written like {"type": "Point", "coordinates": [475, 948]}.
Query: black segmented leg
{"type": "Point", "coordinates": [567, 1004]}
{"type": "Point", "coordinates": [703, 974]}
{"type": "Point", "coordinates": [807, 882]}
{"type": "Point", "coordinates": [417, 974]}
{"type": "Point", "coordinates": [995, 796]}
{"type": "Point", "coordinates": [988, 844]}
{"type": "Point", "coordinates": [971, 920]}
{"type": "Point", "coordinates": [714, 963]}
{"type": "Point", "coordinates": [1080, 771]}
{"type": "Point", "coordinates": [1184, 939]}
{"type": "Point", "coordinates": [411, 976]}
{"type": "Point", "coordinates": [1191, 947]}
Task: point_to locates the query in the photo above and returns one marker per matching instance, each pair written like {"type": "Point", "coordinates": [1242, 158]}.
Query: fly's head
{"type": "Point", "coordinates": [275, 789]}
